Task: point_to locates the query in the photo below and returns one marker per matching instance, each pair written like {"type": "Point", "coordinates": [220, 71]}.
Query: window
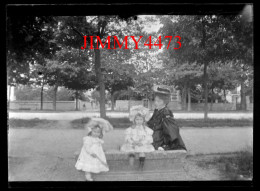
{"type": "Point", "coordinates": [173, 96]}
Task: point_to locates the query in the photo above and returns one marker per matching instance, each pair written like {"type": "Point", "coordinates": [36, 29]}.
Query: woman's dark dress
{"type": "Point", "coordinates": [166, 130]}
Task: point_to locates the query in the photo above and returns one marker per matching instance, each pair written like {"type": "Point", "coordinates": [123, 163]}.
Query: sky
{"type": "Point", "coordinates": [151, 27]}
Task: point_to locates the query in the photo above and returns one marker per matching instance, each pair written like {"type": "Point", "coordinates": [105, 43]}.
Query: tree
{"type": "Point", "coordinates": [204, 39]}
{"type": "Point", "coordinates": [27, 93]}
{"type": "Point", "coordinates": [66, 68]}
{"type": "Point", "coordinates": [222, 77]}
{"type": "Point", "coordinates": [117, 79]}
{"type": "Point", "coordinates": [184, 76]}
{"type": "Point", "coordinates": [242, 52]}
{"type": "Point", "coordinates": [27, 38]}
{"type": "Point", "coordinates": [28, 41]}
{"type": "Point", "coordinates": [95, 96]}
{"type": "Point", "coordinates": [75, 28]}
{"type": "Point", "coordinates": [82, 79]}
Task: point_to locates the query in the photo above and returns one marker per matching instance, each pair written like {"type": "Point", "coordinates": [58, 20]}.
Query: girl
{"type": "Point", "coordinates": [138, 137]}
{"type": "Point", "coordinates": [166, 131]}
{"type": "Point", "coordinates": [92, 158]}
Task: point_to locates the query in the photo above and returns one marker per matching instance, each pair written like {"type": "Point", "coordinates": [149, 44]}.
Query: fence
{"type": "Point", "coordinates": [215, 106]}
{"type": "Point", "coordinates": [121, 105]}
{"type": "Point", "coordinates": [48, 105]}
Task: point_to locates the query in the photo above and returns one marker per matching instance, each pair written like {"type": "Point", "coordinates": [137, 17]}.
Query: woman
{"type": "Point", "coordinates": [166, 134]}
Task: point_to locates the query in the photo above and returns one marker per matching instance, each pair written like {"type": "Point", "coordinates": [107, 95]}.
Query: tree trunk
{"type": "Point", "coordinates": [243, 97]}
{"type": "Point", "coordinates": [112, 101]}
{"type": "Point", "coordinates": [224, 90]}
{"type": "Point", "coordinates": [206, 92]}
{"type": "Point", "coordinates": [101, 83]}
{"type": "Point", "coordinates": [42, 97]}
{"type": "Point", "coordinates": [55, 97]}
{"type": "Point", "coordinates": [189, 99]}
{"type": "Point", "coordinates": [211, 99]}
{"type": "Point", "coordinates": [76, 97]}
{"type": "Point", "coordinates": [203, 43]}
{"type": "Point", "coordinates": [184, 98]}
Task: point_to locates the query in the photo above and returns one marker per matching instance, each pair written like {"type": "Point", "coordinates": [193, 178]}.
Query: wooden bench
{"type": "Point", "coordinates": [159, 165]}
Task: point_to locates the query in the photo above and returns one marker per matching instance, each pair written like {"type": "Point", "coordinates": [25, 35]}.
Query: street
{"type": "Point", "coordinates": [77, 115]}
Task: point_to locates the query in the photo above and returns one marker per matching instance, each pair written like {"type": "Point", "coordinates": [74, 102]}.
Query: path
{"type": "Point", "coordinates": [40, 154]}
{"type": "Point", "coordinates": [77, 115]}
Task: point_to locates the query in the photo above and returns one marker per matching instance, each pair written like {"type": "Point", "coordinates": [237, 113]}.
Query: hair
{"type": "Point", "coordinates": [164, 97]}
{"type": "Point", "coordinates": [139, 115]}
{"type": "Point", "coordinates": [101, 133]}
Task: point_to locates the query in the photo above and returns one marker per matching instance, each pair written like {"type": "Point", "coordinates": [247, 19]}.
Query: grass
{"type": "Point", "coordinates": [115, 122]}
{"type": "Point", "coordinates": [30, 123]}
{"type": "Point", "coordinates": [79, 123]}
{"type": "Point", "coordinates": [238, 166]}
{"type": "Point", "coordinates": [215, 122]}
{"type": "Point", "coordinates": [36, 111]}
{"type": "Point", "coordinates": [123, 123]}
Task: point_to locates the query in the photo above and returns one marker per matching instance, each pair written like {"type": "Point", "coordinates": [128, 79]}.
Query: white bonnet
{"type": "Point", "coordinates": [139, 109]}
{"type": "Point", "coordinates": [102, 123]}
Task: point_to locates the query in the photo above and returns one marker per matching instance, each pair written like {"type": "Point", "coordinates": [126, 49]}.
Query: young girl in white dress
{"type": "Point", "coordinates": [92, 158]}
{"type": "Point", "coordinates": [138, 137]}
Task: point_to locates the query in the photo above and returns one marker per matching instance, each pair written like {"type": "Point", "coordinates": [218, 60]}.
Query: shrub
{"type": "Point", "coordinates": [27, 122]}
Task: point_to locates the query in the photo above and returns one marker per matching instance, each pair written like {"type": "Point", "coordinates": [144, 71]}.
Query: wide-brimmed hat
{"type": "Point", "coordinates": [102, 123]}
{"type": "Point", "coordinates": [139, 109]}
{"type": "Point", "coordinates": [161, 89]}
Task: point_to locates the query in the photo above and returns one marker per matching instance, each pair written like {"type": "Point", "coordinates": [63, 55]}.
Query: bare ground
{"type": "Point", "coordinates": [48, 154]}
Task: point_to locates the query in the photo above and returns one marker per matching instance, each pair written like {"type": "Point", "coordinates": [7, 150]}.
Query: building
{"type": "Point", "coordinates": [11, 93]}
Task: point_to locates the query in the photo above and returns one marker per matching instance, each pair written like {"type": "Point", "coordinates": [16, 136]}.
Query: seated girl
{"type": "Point", "coordinates": [138, 137]}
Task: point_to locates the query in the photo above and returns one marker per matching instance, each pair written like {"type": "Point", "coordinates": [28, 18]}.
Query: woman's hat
{"type": "Point", "coordinates": [102, 123]}
{"type": "Point", "coordinates": [139, 109]}
{"type": "Point", "coordinates": [161, 89]}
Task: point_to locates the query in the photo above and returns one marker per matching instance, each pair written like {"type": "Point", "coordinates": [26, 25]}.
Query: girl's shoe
{"type": "Point", "coordinates": [160, 149]}
{"type": "Point", "coordinates": [88, 177]}
{"type": "Point", "coordinates": [166, 147]}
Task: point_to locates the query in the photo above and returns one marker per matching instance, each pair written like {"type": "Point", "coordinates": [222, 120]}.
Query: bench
{"type": "Point", "coordinates": [159, 165]}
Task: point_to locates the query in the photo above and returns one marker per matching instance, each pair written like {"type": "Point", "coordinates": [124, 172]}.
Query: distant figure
{"type": "Point", "coordinates": [84, 107]}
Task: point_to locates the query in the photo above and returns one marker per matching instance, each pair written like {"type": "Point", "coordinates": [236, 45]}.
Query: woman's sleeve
{"type": "Point", "coordinates": [87, 144]}
{"type": "Point", "coordinates": [170, 127]}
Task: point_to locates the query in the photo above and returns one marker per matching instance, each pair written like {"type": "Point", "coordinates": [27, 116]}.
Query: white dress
{"type": "Point", "coordinates": [140, 134]}
{"type": "Point", "coordinates": [88, 163]}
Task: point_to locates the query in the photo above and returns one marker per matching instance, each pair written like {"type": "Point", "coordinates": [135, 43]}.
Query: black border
{"type": "Point", "coordinates": [125, 9]}
{"type": "Point", "coordinates": [129, 9]}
